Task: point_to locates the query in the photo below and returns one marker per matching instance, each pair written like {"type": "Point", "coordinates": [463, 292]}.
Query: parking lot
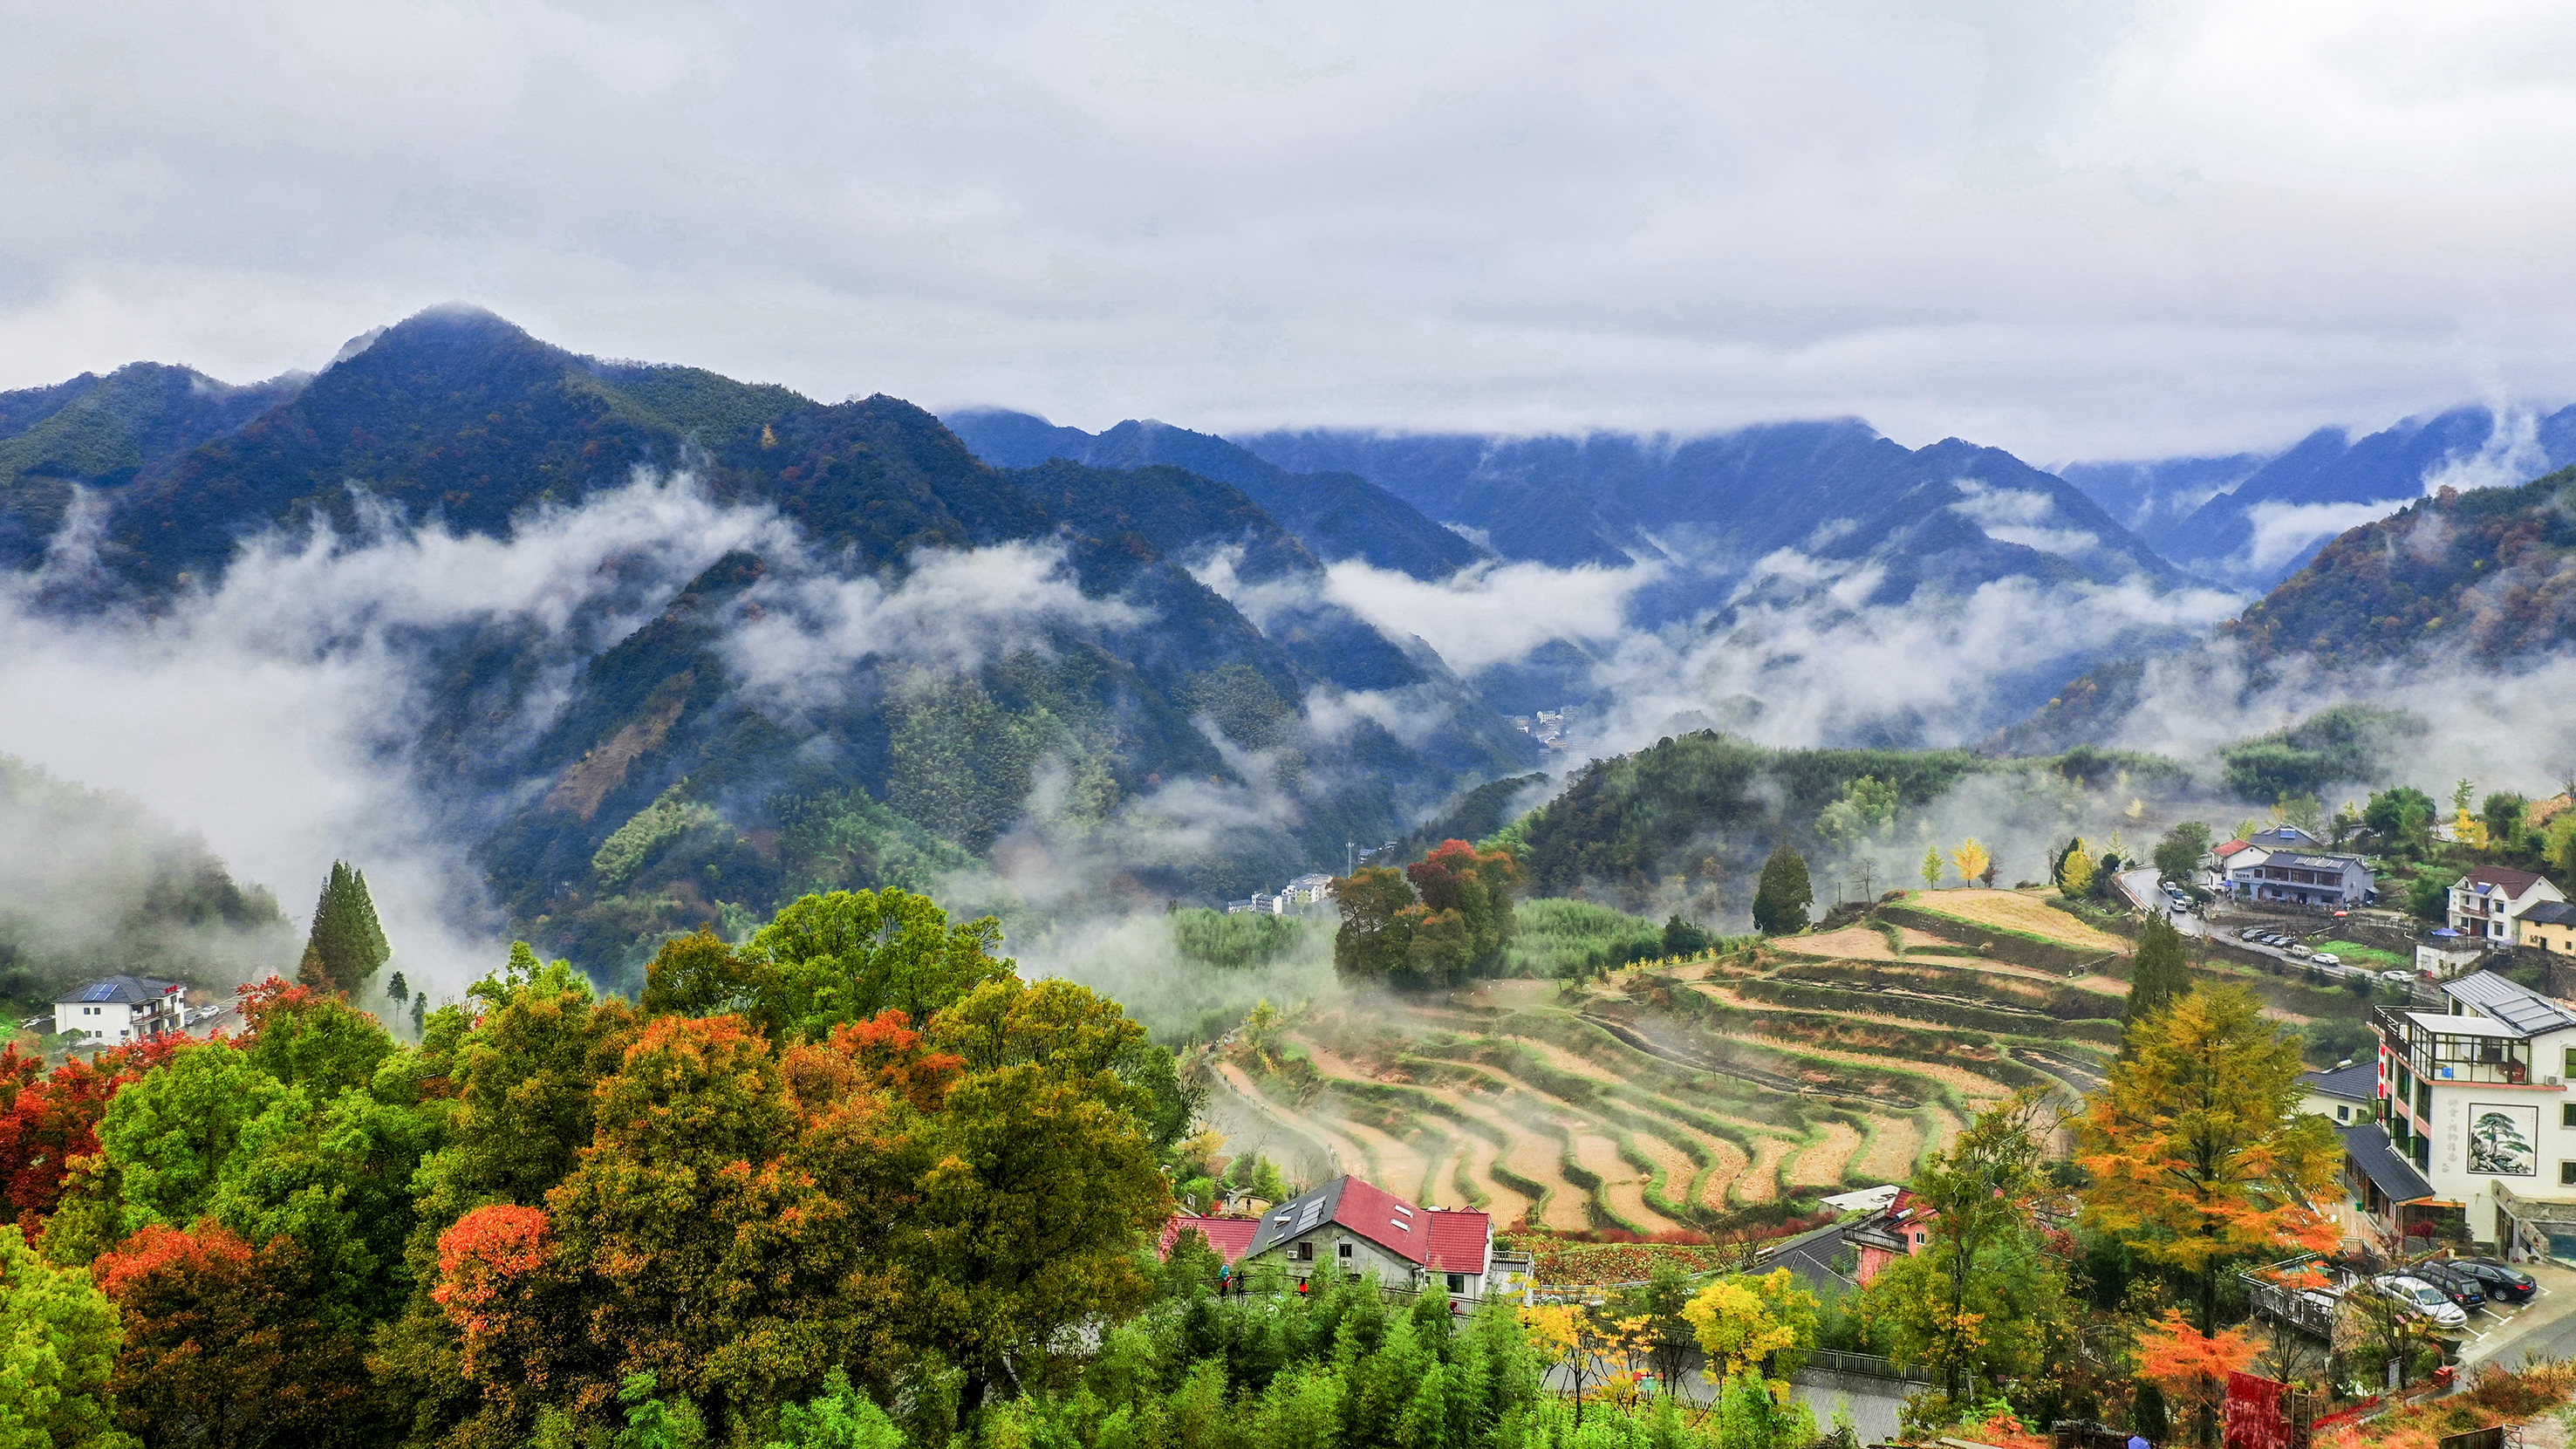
{"type": "Point", "coordinates": [2230, 923]}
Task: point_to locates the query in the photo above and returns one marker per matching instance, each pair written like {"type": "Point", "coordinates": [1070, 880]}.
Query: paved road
{"type": "Point", "coordinates": [2143, 884]}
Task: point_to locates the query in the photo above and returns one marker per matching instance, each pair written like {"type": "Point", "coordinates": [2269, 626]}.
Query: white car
{"type": "Point", "coordinates": [2419, 1297]}
{"type": "Point", "coordinates": [2396, 978]}
{"type": "Point", "coordinates": [2326, 958]}
{"type": "Point", "coordinates": [2301, 949]}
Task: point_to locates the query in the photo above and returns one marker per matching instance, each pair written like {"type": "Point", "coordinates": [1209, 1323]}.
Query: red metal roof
{"type": "Point", "coordinates": [1460, 1241]}
{"type": "Point", "coordinates": [2228, 848]}
{"type": "Point", "coordinates": [1384, 1219]}
{"type": "Point", "coordinates": [1229, 1236]}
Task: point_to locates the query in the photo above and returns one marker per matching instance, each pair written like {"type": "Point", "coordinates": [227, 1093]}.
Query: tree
{"type": "Point", "coordinates": [1971, 859]}
{"type": "Point", "coordinates": [2397, 813]}
{"type": "Point", "coordinates": [1748, 1325]}
{"type": "Point", "coordinates": [1780, 901]}
{"type": "Point", "coordinates": [1040, 1178]}
{"type": "Point", "coordinates": [2075, 871]}
{"type": "Point", "coordinates": [1684, 938]}
{"type": "Point", "coordinates": [828, 960]}
{"type": "Point", "coordinates": [346, 946]}
{"type": "Point", "coordinates": [2190, 1368]}
{"type": "Point", "coordinates": [231, 1346]}
{"type": "Point", "coordinates": [2461, 794]}
{"type": "Point", "coordinates": [1979, 1299]}
{"type": "Point", "coordinates": [2159, 972]}
{"type": "Point", "coordinates": [2178, 855]}
{"type": "Point", "coordinates": [2300, 810]}
{"type": "Point", "coordinates": [1866, 809]}
{"type": "Point", "coordinates": [1476, 887]}
{"type": "Point", "coordinates": [58, 1338]}
{"type": "Point", "coordinates": [2200, 1154]}
{"type": "Point", "coordinates": [1376, 931]}
{"type": "Point", "coordinates": [1931, 866]}
{"type": "Point", "coordinates": [397, 990]}
{"type": "Point", "coordinates": [2502, 814]}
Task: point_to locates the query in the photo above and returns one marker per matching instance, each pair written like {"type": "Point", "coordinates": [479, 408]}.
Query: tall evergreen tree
{"type": "Point", "coordinates": [1780, 902]}
{"type": "Point", "coordinates": [2161, 974]}
{"type": "Point", "coordinates": [347, 947]}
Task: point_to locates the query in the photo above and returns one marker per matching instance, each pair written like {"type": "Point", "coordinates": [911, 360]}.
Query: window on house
{"type": "Point", "coordinates": [1342, 1250]}
{"type": "Point", "coordinates": [1457, 1282]}
{"type": "Point", "coordinates": [2567, 1174]}
{"type": "Point", "coordinates": [1305, 1252]}
{"type": "Point", "coordinates": [2343, 1113]}
{"type": "Point", "coordinates": [2567, 1115]}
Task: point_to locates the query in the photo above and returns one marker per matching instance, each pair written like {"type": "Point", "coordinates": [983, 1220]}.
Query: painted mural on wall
{"type": "Point", "coordinates": [2503, 1139]}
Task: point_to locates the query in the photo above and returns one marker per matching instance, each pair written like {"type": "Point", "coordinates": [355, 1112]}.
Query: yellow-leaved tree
{"type": "Point", "coordinates": [1971, 859]}
{"type": "Point", "coordinates": [2200, 1156]}
{"type": "Point", "coordinates": [1746, 1324]}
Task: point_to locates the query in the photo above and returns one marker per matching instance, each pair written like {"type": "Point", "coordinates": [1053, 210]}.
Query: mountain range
{"type": "Point", "coordinates": [1160, 661]}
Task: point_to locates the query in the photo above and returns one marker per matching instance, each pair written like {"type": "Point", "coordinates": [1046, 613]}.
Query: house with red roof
{"type": "Point", "coordinates": [1898, 1230]}
{"type": "Point", "coordinates": [1354, 1227]}
{"type": "Point", "coordinates": [2490, 901]}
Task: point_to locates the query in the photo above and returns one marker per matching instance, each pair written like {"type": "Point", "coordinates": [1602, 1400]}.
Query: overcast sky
{"type": "Point", "coordinates": [2072, 229]}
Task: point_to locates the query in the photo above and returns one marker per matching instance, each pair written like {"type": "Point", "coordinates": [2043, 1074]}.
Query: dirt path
{"type": "Point", "coordinates": [1822, 1164]}
{"type": "Point", "coordinates": [1892, 1151]}
{"type": "Point", "coordinates": [1761, 1181]}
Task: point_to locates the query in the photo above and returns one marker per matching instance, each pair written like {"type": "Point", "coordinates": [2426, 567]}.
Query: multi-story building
{"type": "Point", "coordinates": [2491, 901]}
{"type": "Point", "coordinates": [2475, 1105]}
{"type": "Point", "coordinates": [2301, 878]}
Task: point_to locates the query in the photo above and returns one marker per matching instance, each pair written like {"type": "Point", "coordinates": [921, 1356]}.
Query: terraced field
{"type": "Point", "coordinates": [1676, 1098]}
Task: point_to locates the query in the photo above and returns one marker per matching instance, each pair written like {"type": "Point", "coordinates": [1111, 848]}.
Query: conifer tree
{"type": "Point", "coordinates": [346, 947]}
{"type": "Point", "coordinates": [2161, 975]}
{"type": "Point", "coordinates": [1780, 902]}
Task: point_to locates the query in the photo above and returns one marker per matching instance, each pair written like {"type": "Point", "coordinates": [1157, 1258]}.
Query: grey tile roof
{"type": "Point", "coordinates": [2371, 1151]}
{"type": "Point", "coordinates": [2359, 1082]}
{"type": "Point", "coordinates": [119, 990]}
{"type": "Point", "coordinates": [2552, 913]}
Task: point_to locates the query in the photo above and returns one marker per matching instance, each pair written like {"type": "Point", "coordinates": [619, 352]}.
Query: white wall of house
{"type": "Point", "coordinates": [105, 1020]}
{"type": "Point", "coordinates": [2491, 913]}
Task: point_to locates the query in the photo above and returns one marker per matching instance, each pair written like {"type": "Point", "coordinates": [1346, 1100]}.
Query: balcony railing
{"type": "Point", "coordinates": [2438, 1057]}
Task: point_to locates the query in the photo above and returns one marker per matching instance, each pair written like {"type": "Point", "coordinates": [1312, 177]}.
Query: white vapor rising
{"type": "Point", "coordinates": [1492, 613]}
{"type": "Point", "coordinates": [805, 638]}
{"type": "Point", "coordinates": [274, 714]}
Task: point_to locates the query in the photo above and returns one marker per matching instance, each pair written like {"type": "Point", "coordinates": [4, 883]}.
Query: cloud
{"type": "Point", "coordinates": [804, 640]}
{"type": "Point", "coordinates": [2123, 232]}
{"type": "Point", "coordinates": [277, 713]}
{"type": "Point", "coordinates": [1491, 613]}
{"type": "Point", "coordinates": [2020, 515]}
{"type": "Point", "coordinates": [2283, 531]}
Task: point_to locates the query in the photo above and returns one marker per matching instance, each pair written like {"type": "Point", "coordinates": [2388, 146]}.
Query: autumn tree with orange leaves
{"type": "Point", "coordinates": [2201, 1159]}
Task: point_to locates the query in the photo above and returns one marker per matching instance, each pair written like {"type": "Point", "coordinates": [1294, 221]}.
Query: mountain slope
{"type": "Point", "coordinates": [1338, 515]}
{"type": "Point", "coordinates": [99, 432]}
{"type": "Point", "coordinates": [1952, 513]}
{"type": "Point", "coordinates": [1029, 659]}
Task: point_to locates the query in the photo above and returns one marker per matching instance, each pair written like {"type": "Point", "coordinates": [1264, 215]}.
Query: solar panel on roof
{"type": "Point", "coordinates": [101, 992]}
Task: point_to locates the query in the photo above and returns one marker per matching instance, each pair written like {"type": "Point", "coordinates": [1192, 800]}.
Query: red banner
{"type": "Point", "coordinates": [2256, 1414]}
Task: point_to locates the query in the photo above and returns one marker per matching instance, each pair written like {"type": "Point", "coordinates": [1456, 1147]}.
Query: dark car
{"type": "Point", "coordinates": [2504, 1283]}
{"type": "Point", "coordinates": [2453, 1284]}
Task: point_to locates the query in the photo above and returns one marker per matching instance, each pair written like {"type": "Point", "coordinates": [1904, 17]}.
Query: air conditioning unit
{"type": "Point", "coordinates": [2553, 1081]}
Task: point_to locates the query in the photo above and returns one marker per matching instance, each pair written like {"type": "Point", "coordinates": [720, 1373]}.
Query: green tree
{"type": "Point", "coordinates": [165, 1139]}
{"type": "Point", "coordinates": [2399, 814]}
{"type": "Point", "coordinates": [1684, 938]}
{"type": "Point", "coordinates": [2301, 810]}
{"type": "Point", "coordinates": [2428, 895]}
{"type": "Point", "coordinates": [1377, 925]}
{"type": "Point", "coordinates": [346, 946]}
{"type": "Point", "coordinates": [1042, 1175]}
{"type": "Point", "coordinates": [2159, 973]}
{"type": "Point", "coordinates": [1931, 866]}
{"type": "Point", "coordinates": [2503, 813]}
{"type": "Point", "coordinates": [2461, 794]}
{"type": "Point", "coordinates": [2178, 855]}
{"type": "Point", "coordinates": [1866, 809]}
{"type": "Point", "coordinates": [58, 1342]}
{"type": "Point", "coordinates": [830, 960]}
{"type": "Point", "coordinates": [1780, 901]}
{"type": "Point", "coordinates": [1978, 1300]}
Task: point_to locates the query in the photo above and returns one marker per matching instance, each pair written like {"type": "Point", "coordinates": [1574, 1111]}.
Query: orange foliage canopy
{"type": "Point", "coordinates": [2191, 1367]}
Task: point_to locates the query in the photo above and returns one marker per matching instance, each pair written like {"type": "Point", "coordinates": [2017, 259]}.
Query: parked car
{"type": "Point", "coordinates": [2421, 1299]}
{"type": "Point", "coordinates": [2397, 978]}
{"type": "Point", "coordinates": [2300, 949]}
{"type": "Point", "coordinates": [2503, 1282]}
{"type": "Point", "coordinates": [2326, 958]}
{"type": "Point", "coordinates": [2459, 1287]}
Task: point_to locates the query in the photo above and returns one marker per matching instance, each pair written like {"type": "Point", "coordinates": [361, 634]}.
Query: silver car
{"type": "Point", "coordinates": [2422, 1299]}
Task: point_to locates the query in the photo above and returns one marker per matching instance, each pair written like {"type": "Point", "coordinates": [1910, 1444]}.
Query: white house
{"type": "Point", "coordinates": [1308, 890]}
{"type": "Point", "coordinates": [1355, 1228]}
{"type": "Point", "coordinates": [121, 1009]}
{"type": "Point", "coordinates": [2299, 877]}
{"type": "Point", "coordinates": [2348, 1094]}
{"type": "Point", "coordinates": [2479, 1121]}
{"type": "Point", "coordinates": [2491, 900]}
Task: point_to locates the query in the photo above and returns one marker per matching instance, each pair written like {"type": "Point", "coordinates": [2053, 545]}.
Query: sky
{"type": "Point", "coordinates": [2094, 230]}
